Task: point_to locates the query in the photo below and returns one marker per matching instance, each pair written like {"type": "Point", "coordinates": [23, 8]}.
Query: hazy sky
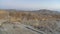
{"type": "Point", "coordinates": [29, 4]}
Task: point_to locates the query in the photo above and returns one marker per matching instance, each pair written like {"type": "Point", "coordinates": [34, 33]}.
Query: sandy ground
{"type": "Point", "coordinates": [15, 29]}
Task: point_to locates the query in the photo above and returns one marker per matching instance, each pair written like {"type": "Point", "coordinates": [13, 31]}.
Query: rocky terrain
{"type": "Point", "coordinates": [29, 22]}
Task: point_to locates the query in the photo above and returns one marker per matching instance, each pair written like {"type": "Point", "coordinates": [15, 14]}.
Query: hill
{"type": "Point", "coordinates": [43, 20]}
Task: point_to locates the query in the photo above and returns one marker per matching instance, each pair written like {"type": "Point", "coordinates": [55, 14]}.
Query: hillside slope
{"type": "Point", "coordinates": [47, 21]}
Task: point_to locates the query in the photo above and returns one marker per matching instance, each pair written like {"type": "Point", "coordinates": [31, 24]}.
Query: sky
{"type": "Point", "coordinates": [30, 4]}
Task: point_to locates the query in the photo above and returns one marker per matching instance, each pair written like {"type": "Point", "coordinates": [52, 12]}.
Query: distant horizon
{"type": "Point", "coordinates": [30, 4]}
{"type": "Point", "coordinates": [33, 9]}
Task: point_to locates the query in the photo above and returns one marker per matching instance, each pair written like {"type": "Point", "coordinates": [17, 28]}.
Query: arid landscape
{"type": "Point", "coordinates": [29, 22]}
{"type": "Point", "coordinates": [29, 16]}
